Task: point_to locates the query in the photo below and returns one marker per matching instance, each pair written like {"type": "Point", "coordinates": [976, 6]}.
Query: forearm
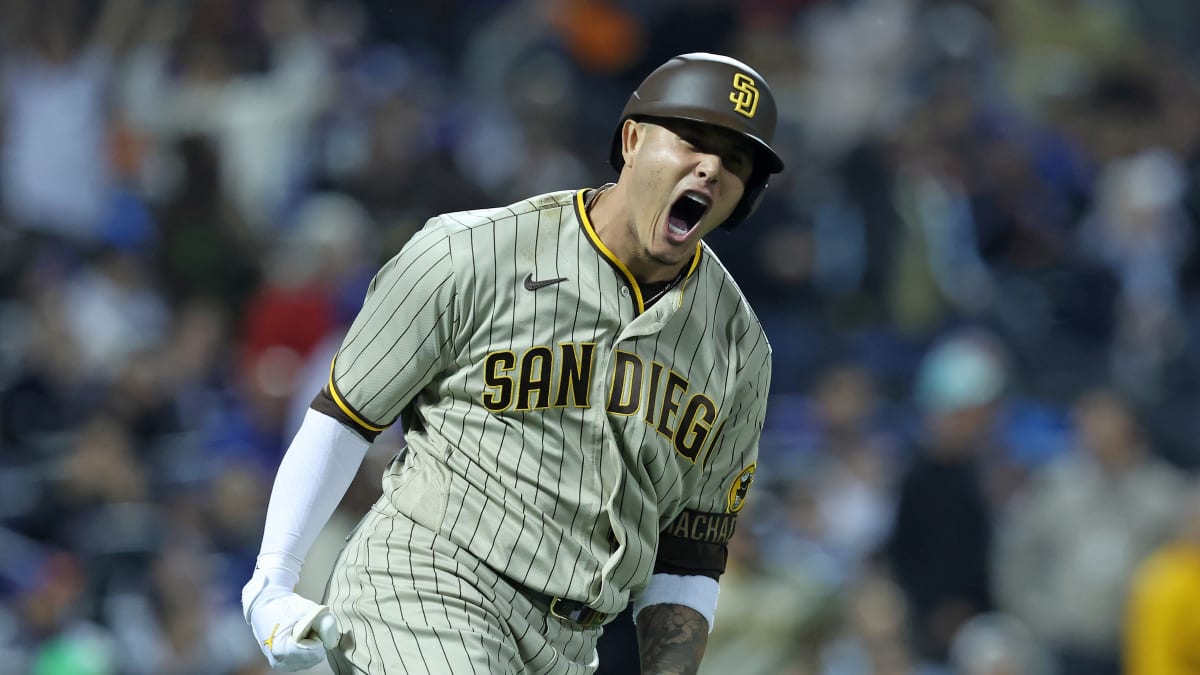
{"type": "Point", "coordinates": [671, 639]}
{"type": "Point", "coordinates": [313, 476]}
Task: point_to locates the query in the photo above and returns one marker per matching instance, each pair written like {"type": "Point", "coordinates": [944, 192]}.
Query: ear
{"type": "Point", "coordinates": [632, 135]}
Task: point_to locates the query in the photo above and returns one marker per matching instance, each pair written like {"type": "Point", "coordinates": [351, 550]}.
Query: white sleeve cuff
{"type": "Point", "coordinates": [698, 592]}
{"type": "Point", "coordinates": [313, 477]}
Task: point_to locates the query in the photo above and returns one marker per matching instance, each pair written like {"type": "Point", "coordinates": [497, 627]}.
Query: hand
{"type": "Point", "coordinates": [292, 631]}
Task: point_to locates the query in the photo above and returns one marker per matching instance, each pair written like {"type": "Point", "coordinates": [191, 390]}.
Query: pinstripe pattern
{"type": "Point", "coordinates": [414, 603]}
{"type": "Point", "coordinates": [549, 487]}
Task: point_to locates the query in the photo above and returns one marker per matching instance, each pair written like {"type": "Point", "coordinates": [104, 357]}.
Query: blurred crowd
{"type": "Point", "coordinates": [980, 275]}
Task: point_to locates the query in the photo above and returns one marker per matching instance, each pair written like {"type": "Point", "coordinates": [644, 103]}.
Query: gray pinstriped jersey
{"type": "Point", "coordinates": [554, 432]}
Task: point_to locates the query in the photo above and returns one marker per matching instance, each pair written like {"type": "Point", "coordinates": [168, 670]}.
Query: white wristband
{"type": "Point", "coordinates": [698, 592]}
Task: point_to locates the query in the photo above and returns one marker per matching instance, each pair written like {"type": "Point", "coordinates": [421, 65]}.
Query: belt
{"type": "Point", "coordinates": [571, 611]}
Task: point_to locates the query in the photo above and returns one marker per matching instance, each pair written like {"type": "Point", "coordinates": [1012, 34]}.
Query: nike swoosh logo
{"type": "Point", "coordinates": [531, 285]}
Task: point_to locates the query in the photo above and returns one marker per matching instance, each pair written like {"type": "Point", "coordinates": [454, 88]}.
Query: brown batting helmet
{"type": "Point", "coordinates": [716, 90]}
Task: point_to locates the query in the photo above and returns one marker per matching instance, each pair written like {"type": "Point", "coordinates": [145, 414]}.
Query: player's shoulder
{"type": "Point", "coordinates": [719, 277]}
{"type": "Point", "coordinates": [742, 320]}
{"type": "Point", "coordinates": [506, 217]}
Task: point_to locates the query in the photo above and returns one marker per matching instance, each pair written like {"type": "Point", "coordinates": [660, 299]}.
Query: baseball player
{"type": "Point", "coordinates": [582, 388]}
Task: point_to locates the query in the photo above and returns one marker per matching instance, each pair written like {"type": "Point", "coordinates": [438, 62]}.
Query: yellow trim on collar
{"type": "Point", "coordinates": [612, 257]}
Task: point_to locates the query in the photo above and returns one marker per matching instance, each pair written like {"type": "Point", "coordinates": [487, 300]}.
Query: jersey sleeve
{"type": "Point", "coordinates": [696, 542]}
{"type": "Point", "coordinates": [401, 338]}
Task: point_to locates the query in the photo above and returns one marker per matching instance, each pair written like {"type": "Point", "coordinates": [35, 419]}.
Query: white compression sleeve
{"type": "Point", "coordinates": [313, 477]}
{"type": "Point", "coordinates": [698, 592]}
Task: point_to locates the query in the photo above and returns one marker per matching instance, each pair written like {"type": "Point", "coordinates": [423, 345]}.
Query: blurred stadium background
{"type": "Point", "coordinates": [980, 275]}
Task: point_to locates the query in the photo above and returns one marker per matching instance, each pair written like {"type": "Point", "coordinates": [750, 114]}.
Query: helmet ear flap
{"type": "Point", "coordinates": [755, 191]}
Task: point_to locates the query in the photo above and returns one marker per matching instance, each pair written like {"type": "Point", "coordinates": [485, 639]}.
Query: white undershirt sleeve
{"type": "Point", "coordinates": [695, 591]}
{"type": "Point", "coordinates": [314, 475]}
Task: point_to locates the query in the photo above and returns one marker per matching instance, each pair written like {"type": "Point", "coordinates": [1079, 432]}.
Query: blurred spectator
{"type": "Point", "coordinates": [854, 54]}
{"type": "Point", "coordinates": [54, 165]}
{"type": "Point", "coordinates": [38, 399]}
{"type": "Point", "coordinates": [233, 518]}
{"type": "Point", "coordinates": [175, 626]}
{"type": "Point", "coordinates": [1161, 623]}
{"type": "Point", "coordinates": [770, 619]}
{"type": "Point", "coordinates": [940, 545]}
{"type": "Point", "coordinates": [860, 473]}
{"type": "Point", "coordinates": [406, 170]}
{"type": "Point", "coordinates": [1172, 24]}
{"type": "Point", "coordinates": [875, 637]}
{"type": "Point", "coordinates": [315, 277]}
{"type": "Point", "coordinates": [997, 644]}
{"type": "Point", "coordinates": [1056, 47]}
{"type": "Point", "coordinates": [113, 310]}
{"type": "Point", "coordinates": [55, 636]}
{"type": "Point", "coordinates": [201, 232]}
{"type": "Point", "coordinates": [256, 96]}
{"type": "Point", "coordinates": [1073, 539]}
{"type": "Point", "coordinates": [1139, 229]}
{"type": "Point", "coordinates": [936, 270]}
{"type": "Point", "coordinates": [841, 455]}
{"type": "Point", "coordinates": [103, 507]}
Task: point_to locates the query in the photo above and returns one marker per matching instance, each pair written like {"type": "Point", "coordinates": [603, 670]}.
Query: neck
{"type": "Point", "coordinates": [613, 222]}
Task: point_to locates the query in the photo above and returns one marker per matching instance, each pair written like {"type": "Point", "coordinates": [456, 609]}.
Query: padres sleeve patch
{"type": "Point", "coordinates": [739, 488]}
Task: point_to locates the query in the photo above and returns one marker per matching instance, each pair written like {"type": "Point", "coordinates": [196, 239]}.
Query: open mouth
{"type": "Point", "coordinates": [686, 213]}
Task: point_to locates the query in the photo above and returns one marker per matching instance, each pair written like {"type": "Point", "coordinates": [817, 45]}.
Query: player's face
{"type": "Point", "coordinates": [688, 177]}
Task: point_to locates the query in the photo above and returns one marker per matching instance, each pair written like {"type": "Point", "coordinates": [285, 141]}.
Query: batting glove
{"type": "Point", "coordinates": [292, 631]}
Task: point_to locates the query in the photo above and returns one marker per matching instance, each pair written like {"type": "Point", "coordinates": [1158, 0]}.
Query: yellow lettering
{"type": "Point", "coordinates": [670, 404]}
{"type": "Point", "coordinates": [681, 526]}
{"type": "Point", "coordinates": [694, 426]}
{"type": "Point", "coordinates": [535, 378]}
{"type": "Point", "coordinates": [575, 374]}
{"type": "Point", "coordinates": [652, 391]}
{"type": "Point", "coordinates": [714, 530]}
{"type": "Point", "coordinates": [625, 396]}
{"type": "Point", "coordinates": [494, 365]}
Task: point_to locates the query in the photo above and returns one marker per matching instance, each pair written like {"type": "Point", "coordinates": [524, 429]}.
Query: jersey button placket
{"type": "Point", "coordinates": [628, 307]}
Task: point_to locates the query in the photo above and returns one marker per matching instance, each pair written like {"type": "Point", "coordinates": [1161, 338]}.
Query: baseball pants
{"type": "Point", "coordinates": [413, 602]}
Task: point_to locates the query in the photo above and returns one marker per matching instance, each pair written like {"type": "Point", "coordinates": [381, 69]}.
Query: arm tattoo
{"type": "Point", "coordinates": [671, 639]}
